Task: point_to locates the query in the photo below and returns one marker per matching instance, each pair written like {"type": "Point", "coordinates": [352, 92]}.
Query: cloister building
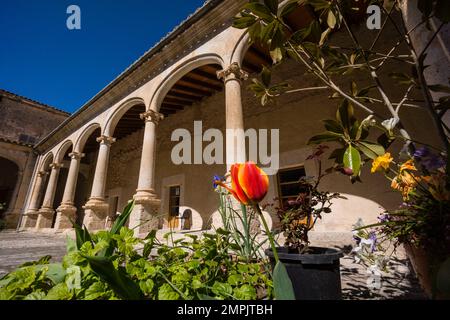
{"type": "Point", "coordinates": [117, 147]}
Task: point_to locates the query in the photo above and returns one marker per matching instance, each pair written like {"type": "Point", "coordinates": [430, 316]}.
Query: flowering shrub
{"type": "Point", "coordinates": [298, 216]}
{"type": "Point", "coordinates": [424, 217]}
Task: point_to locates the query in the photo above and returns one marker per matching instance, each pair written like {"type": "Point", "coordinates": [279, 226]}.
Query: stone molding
{"type": "Point", "coordinates": [233, 72]}
{"type": "Point", "coordinates": [76, 155]}
{"type": "Point", "coordinates": [152, 116]}
{"type": "Point", "coordinates": [42, 173]}
{"type": "Point", "coordinates": [56, 166]}
{"type": "Point", "coordinates": [106, 140]}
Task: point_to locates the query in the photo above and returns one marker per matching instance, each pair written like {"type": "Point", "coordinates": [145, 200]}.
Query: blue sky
{"type": "Point", "coordinates": [43, 60]}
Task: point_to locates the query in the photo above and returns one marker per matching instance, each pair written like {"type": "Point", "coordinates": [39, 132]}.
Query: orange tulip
{"type": "Point", "coordinates": [249, 184]}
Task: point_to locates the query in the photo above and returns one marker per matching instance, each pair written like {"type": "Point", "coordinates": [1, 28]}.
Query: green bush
{"type": "Point", "coordinates": [106, 265]}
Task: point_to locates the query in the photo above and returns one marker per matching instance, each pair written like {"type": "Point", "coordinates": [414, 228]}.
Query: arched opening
{"type": "Point", "coordinates": [124, 159]}
{"type": "Point", "coordinates": [45, 168]}
{"type": "Point", "coordinates": [88, 145]}
{"type": "Point", "coordinates": [9, 173]}
{"type": "Point", "coordinates": [62, 158]}
{"type": "Point", "coordinates": [192, 88]}
{"type": "Point", "coordinates": [196, 95]}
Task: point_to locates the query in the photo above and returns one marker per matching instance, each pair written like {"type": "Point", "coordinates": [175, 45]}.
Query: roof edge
{"type": "Point", "coordinates": [183, 26]}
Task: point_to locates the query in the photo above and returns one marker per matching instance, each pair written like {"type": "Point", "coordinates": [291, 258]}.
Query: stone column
{"type": "Point", "coordinates": [67, 210]}
{"type": "Point", "coordinates": [46, 212]}
{"type": "Point", "coordinates": [235, 138]}
{"type": "Point", "coordinates": [144, 217]}
{"type": "Point", "coordinates": [96, 209]}
{"type": "Point", "coordinates": [31, 216]}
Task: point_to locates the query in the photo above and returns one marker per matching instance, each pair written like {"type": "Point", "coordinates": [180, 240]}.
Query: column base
{"type": "Point", "coordinates": [29, 219]}
{"type": "Point", "coordinates": [66, 214]}
{"type": "Point", "coordinates": [95, 213]}
{"type": "Point", "coordinates": [144, 217]}
{"type": "Point", "coordinates": [45, 218]}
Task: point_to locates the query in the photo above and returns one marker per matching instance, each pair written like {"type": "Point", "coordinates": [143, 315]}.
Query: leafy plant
{"type": "Point", "coordinates": [116, 265]}
{"type": "Point", "coordinates": [298, 215]}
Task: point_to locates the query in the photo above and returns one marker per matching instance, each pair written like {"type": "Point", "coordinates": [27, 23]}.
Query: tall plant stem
{"type": "Point", "coordinates": [269, 233]}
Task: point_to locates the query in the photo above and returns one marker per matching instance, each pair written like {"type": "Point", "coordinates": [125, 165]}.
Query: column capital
{"type": "Point", "coordinates": [76, 155]}
{"type": "Point", "coordinates": [234, 71]}
{"type": "Point", "coordinates": [152, 116]}
{"type": "Point", "coordinates": [56, 165]}
{"type": "Point", "coordinates": [42, 173]}
{"type": "Point", "coordinates": [106, 140]}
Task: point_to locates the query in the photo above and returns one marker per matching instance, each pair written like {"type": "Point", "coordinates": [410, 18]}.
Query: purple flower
{"type": "Point", "coordinates": [373, 237]}
{"type": "Point", "coordinates": [420, 153]}
{"type": "Point", "coordinates": [429, 160]}
{"type": "Point", "coordinates": [384, 217]}
{"type": "Point", "coordinates": [217, 179]}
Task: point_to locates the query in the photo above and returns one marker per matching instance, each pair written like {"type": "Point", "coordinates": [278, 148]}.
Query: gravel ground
{"type": "Point", "coordinates": [20, 247]}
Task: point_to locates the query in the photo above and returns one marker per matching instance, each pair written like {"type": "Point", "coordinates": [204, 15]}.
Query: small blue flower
{"type": "Point", "coordinates": [217, 179]}
{"type": "Point", "coordinates": [420, 153]}
{"type": "Point", "coordinates": [373, 237]}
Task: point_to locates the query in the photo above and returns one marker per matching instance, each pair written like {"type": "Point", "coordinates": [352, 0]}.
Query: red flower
{"type": "Point", "coordinates": [249, 184]}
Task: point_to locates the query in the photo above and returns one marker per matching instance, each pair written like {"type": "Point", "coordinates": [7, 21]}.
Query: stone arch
{"type": "Point", "coordinates": [63, 150]}
{"type": "Point", "coordinates": [16, 159]}
{"type": "Point", "coordinates": [117, 114]}
{"type": "Point", "coordinates": [84, 136]}
{"type": "Point", "coordinates": [241, 48]}
{"type": "Point", "coordinates": [189, 65]}
{"type": "Point", "coordinates": [46, 161]}
{"type": "Point", "coordinates": [10, 178]}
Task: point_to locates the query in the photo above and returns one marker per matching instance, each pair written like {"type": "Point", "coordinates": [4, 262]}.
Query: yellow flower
{"type": "Point", "coordinates": [382, 162]}
{"type": "Point", "coordinates": [408, 166]}
{"type": "Point", "coordinates": [405, 182]}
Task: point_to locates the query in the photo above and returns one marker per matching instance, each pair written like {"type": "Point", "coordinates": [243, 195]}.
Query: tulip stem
{"type": "Point", "coordinates": [269, 233]}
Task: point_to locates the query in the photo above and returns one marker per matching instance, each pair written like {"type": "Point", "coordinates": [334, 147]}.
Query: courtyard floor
{"type": "Point", "coordinates": [20, 247]}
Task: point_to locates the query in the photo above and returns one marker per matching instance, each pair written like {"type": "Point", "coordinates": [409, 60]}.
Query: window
{"type": "Point", "coordinates": [174, 201]}
{"type": "Point", "coordinates": [289, 183]}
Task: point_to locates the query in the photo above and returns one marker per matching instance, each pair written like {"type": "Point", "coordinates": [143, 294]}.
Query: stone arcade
{"type": "Point", "coordinates": [118, 146]}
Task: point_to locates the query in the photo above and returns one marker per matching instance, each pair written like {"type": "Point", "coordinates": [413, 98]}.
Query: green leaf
{"type": "Point", "coordinates": [352, 160]}
{"type": "Point", "coordinates": [371, 150]}
{"type": "Point", "coordinates": [82, 235]}
{"type": "Point", "coordinates": [276, 55]}
{"type": "Point", "coordinates": [272, 5]}
{"type": "Point", "coordinates": [243, 22]}
{"type": "Point", "coordinates": [260, 10]}
{"type": "Point", "coordinates": [345, 115]}
{"type": "Point", "coordinates": [118, 280]}
{"type": "Point", "coordinates": [333, 126]}
{"type": "Point", "coordinates": [59, 292]}
{"type": "Point", "coordinates": [289, 8]}
{"type": "Point", "coordinates": [331, 19]}
{"type": "Point", "coordinates": [222, 289]}
{"type": "Point", "coordinates": [266, 76]}
{"type": "Point", "coordinates": [166, 292]}
{"type": "Point", "coordinates": [122, 219]}
{"type": "Point", "coordinates": [325, 137]}
{"type": "Point", "coordinates": [71, 245]}
{"type": "Point", "coordinates": [282, 284]}
{"type": "Point", "coordinates": [55, 272]}
{"type": "Point", "coordinates": [97, 290]}
{"type": "Point", "coordinates": [149, 244]}
{"type": "Point", "coordinates": [245, 292]}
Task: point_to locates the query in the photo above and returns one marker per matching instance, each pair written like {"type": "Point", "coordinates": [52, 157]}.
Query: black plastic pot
{"type": "Point", "coordinates": [315, 275]}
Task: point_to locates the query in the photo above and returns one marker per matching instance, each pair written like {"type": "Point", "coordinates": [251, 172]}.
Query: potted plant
{"type": "Point", "coordinates": [314, 271]}
{"type": "Point", "coordinates": [420, 223]}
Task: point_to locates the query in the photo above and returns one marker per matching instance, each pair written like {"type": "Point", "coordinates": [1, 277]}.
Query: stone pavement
{"type": "Point", "coordinates": [17, 248]}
